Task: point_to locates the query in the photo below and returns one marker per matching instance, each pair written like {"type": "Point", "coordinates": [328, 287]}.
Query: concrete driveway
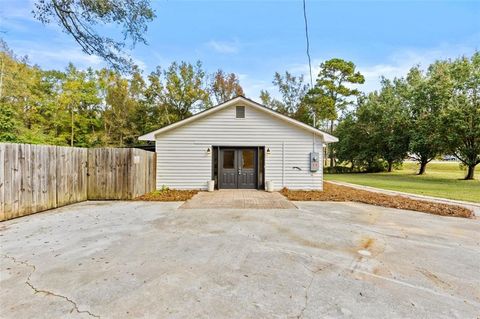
{"type": "Point", "coordinates": [323, 260]}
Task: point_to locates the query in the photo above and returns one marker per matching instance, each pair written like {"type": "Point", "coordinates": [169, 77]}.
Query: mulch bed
{"type": "Point", "coordinates": [339, 193]}
{"type": "Point", "coordinates": [169, 195]}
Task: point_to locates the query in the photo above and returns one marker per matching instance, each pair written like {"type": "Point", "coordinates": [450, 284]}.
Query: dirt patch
{"type": "Point", "coordinates": [339, 193]}
{"type": "Point", "coordinates": [367, 242]}
{"type": "Point", "coordinates": [169, 195]}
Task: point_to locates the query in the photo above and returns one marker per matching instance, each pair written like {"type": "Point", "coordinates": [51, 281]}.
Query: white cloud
{"type": "Point", "coordinates": [55, 56]}
{"type": "Point", "coordinates": [71, 55]}
{"type": "Point", "coordinates": [373, 74]}
{"type": "Point", "coordinates": [224, 47]}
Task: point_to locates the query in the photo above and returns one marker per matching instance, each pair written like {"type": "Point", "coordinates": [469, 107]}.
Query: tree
{"type": "Point", "coordinates": [9, 115]}
{"type": "Point", "coordinates": [373, 134]}
{"type": "Point", "coordinates": [145, 117]}
{"type": "Point", "coordinates": [332, 91]}
{"type": "Point", "coordinates": [350, 145]}
{"type": "Point", "coordinates": [358, 138]}
{"type": "Point", "coordinates": [21, 98]}
{"type": "Point", "coordinates": [8, 123]}
{"type": "Point", "coordinates": [95, 108]}
{"type": "Point", "coordinates": [185, 89]}
{"type": "Point", "coordinates": [80, 104]}
{"type": "Point", "coordinates": [225, 87]}
{"type": "Point", "coordinates": [158, 113]}
{"type": "Point", "coordinates": [55, 122]}
{"type": "Point", "coordinates": [377, 131]}
{"type": "Point", "coordinates": [269, 101]}
{"type": "Point", "coordinates": [426, 95]}
{"type": "Point", "coordinates": [391, 123]}
{"type": "Point", "coordinates": [292, 90]}
{"type": "Point", "coordinates": [79, 19]}
{"type": "Point", "coordinates": [461, 118]}
{"type": "Point", "coordinates": [120, 108]}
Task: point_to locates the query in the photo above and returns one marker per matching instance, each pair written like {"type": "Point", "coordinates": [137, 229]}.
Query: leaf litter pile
{"type": "Point", "coordinates": [168, 195]}
{"type": "Point", "coordinates": [338, 193]}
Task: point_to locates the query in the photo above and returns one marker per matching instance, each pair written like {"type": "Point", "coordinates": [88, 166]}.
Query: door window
{"type": "Point", "coordinates": [229, 159]}
{"type": "Point", "coordinates": [248, 159]}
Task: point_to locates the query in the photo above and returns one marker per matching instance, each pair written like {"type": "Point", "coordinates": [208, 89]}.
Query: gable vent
{"type": "Point", "coordinates": [240, 112]}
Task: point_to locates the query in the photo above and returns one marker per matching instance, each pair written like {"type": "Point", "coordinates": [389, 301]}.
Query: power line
{"type": "Point", "coordinates": [309, 63]}
{"type": "Point", "coordinates": [308, 43]}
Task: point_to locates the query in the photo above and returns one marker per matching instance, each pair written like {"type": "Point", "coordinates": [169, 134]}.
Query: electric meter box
{"type": "Point", "coordinates": [314, 162]}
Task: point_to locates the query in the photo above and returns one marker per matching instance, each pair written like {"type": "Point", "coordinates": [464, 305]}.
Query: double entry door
{"type": "Point", "coordinates": [238, 168]}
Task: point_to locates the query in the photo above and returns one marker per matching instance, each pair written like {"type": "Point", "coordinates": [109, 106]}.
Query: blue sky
{"type": "Point", "coordinates": [256, 38]}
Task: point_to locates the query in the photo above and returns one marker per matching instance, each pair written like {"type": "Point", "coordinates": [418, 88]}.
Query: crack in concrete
{"type": "Point", "coordinates": [306, 297]}
{"type": "Point", "coordinates": [307, 289]}
{"type": "Point", "coordinates": [48, 293]}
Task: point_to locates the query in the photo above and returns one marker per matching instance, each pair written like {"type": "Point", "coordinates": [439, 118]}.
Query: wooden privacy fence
{"type": "Point", "coordinates": [120, 173]}
{"type": "Point", "coordinates": [35, 178]}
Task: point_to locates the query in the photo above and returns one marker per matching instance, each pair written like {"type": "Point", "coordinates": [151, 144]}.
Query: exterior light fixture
{"type": "Point", "coordinates": [268, 151]}
{"type": "Point", "coordinates": [209, 151]}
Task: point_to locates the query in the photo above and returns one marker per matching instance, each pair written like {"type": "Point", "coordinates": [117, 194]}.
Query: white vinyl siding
{"type": "Point", "coordinates": [183, 161]}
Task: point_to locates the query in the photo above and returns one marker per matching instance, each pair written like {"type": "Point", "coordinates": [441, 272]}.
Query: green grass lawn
{"type": "Point", "coordinates": [442, 179]}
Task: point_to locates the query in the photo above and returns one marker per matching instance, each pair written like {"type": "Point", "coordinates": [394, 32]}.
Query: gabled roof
{"type": "Point", "coordinates": [327, 138]}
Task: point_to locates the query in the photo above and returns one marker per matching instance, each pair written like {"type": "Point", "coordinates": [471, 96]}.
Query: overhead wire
{"type": "Point", "coordinates": [308, 42]}
{"type": "Point", "coordinates": [309, 63]}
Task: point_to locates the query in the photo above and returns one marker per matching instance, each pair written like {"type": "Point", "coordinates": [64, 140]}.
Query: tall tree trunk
{"type": "Point", "coordinates": [390, 166]}
{"type": "Point", "coordinates": [72, 123]}
{"type": "Point", "coordinates": [423, 166]}
{"type": "Point", "coordinates": [330, 147]}
{"type": "Point", "coordinates": [470, 172]}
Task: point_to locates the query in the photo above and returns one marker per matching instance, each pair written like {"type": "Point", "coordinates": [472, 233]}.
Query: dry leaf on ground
{"type": "Point", "coordinates": [338, 193]}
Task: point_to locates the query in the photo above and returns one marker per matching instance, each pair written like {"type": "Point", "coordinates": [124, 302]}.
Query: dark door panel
{"type": "Point", "coordinates": [238, 168]}
{"type": "Point", "coordinates": [247, 163]}
{"type": "Point", "coordinates": [228, 168]}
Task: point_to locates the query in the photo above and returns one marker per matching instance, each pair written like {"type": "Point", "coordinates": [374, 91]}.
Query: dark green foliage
{"type": "Point", "coordinates": [461, 118]}
{"type": "Point", "coordinates": [332, 92]}
{"type": "Point", "coordinates": [427, 114]}
{"type": "Point", "coordinates": [358, 140]}
{"type": "Point", "coordinates": [390, 118]}
{"type": "Point", "coordinates": [375, 135]}
{"type": "Point", "coordinates": [8, 124]}
{"type": "Point", "coordinates": [426, 95]}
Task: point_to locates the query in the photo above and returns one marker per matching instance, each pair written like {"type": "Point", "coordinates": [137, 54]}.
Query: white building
{"type": "Point", "coordinates": [239, 144]}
